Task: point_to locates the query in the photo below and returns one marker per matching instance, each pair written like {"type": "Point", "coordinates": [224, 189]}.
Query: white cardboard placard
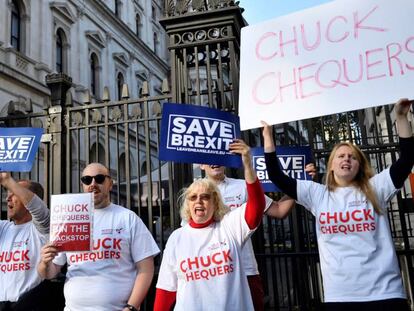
{"type": "Point", "coordinates": [341, 56]}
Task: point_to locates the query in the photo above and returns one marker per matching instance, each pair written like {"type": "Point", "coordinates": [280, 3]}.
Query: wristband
{"type": "Point", "coordinates": [130, 307]}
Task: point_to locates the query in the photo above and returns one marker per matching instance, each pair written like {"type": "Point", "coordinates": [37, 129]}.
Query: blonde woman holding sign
{"type": "Point", "coordinates": [358, 260]}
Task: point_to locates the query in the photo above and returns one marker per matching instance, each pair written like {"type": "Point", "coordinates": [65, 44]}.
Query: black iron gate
{"type": "Point", "coordinates": [124, 135]}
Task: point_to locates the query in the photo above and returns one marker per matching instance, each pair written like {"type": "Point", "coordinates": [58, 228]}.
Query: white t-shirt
{"type": "Point", "coordinates": [103, 278]}
{"type": "Point", "coordinates": [356, 250]}
{"type": "Point", "coordinates": [234, 193]}
{"type": "Point", "coordinates": [203, 265]}
{"type": "Point", "coordinates": [20, 251]}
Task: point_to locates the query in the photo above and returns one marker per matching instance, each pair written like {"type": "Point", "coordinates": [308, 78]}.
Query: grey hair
{"type": "Point", "coordinates": [220, 208]}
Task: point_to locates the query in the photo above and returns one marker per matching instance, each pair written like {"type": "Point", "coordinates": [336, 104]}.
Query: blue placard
{"type": "Point", "coordinates": [18, 147]}
{"type": "Point", "coordinates": [195, 134]}
{"type": "Point", "coordinates": [292, 161]}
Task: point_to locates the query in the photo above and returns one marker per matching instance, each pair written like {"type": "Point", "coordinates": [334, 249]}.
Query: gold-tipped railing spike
{"type": "Point", "coordinates": [145, 91]}
{"type": "Point", "coordinates": [87, 97]}
{"type": "Point", "coordinates": [165, 88]}
{"type": "Point", "coordinates": [29, 105]}
{"type": "Point", "coordinates": [125, 92]}
{"type": "Point", "coordinates": [68, 99]}
{"type": "Point", "coordinates": [106, 96]}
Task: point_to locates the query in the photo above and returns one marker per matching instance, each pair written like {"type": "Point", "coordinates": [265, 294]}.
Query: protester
{"type": "Point", "coordinates": [117, 273]}
{"type": "Point", "coordinates": [21, 239]}
{"type": "Point", "coordinates": [234, 194]}
{"type": "Point", "coordinates": [201, 267]}
{"type": "Point", "coordinates": [358, 260]}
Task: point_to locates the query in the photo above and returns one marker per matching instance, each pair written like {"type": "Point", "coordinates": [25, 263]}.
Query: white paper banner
{"type": "Point", "coordinates": [341, 56]}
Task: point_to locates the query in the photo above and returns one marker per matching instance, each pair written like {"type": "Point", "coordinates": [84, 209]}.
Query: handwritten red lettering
{"type": "Point", "coordinates": [259, 44]}
{"type": "Point", "coordinates": [358, 23]}
{"type": "Point", "coordinates": [329, 32]}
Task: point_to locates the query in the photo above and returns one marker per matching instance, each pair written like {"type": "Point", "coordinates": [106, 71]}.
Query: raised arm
{"type": "Point", "coordinates": [255, 195]}
{"type": "Point", "coordinates": [280, 209]}
{"type": "Point", "coordinates": [276, 175]}
{"type": "Point", "coordinates": [40, 214]}
{"type": "Point", "coordinates": [400, 170]}
{"type": "Point", "coordinates": [240, 147]}
{"type": "Point", "coordinates": [35, 205]}
{"type": "Point", "coordinates": [24, 194]}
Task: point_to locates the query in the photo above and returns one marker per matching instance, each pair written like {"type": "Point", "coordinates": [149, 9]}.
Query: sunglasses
{"type": "Point", "coordinates": [99, 179]}
{"type": "Point", "coordinates": [203, 197]}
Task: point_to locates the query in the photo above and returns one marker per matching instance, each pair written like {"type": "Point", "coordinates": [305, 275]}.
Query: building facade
{"type": "Point", "coordinates": [98, 43]}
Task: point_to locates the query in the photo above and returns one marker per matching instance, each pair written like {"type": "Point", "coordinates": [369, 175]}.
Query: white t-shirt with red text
{"type": "Point", "coordinates": [356, 249]}
{"type": "Point", "coordinates": [202, 265]}
{"type": "Point", "coordinates": [102, 279]}
{"type": "Point", "coordinates": [20, 247]}
{"type": "Point", "coordinates": [234, 194]}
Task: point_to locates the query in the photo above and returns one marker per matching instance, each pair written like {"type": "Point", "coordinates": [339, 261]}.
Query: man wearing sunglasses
{"type": "Point", "coordinates": [118, 271]}
{"type": "Point", "coordinates": [21, 238]}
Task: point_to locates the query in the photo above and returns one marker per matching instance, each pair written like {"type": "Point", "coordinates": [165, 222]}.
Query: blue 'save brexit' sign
{"type": "Point", "coordinates": [194, 134]}
{"type": "Point", "coordinates": [18, 147]}
{"type": "Point", "coordinates": [293, 160]}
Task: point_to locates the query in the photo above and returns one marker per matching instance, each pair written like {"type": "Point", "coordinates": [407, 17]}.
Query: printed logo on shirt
{"type": "Point", "coordinates": [18, 244]}
{"type": "Point", "coordinates": [106, 248]}
{"type": "Point", "coordinates": [207, 267]}
{"type": "Point", "coordinates": [345, 222]}
{"type": "Point", "coordinates": [18, 260]}
{"type": "Point", "coordinates": [217, 245]}
{"type": "Point", "coordinates": [357, 203]}
{"type": "Point", "coordinates": [234, 201]}
{"type": "Point", "coordinates": [107, 231]}
{"type": "Point", "coordinates": [119, 230]}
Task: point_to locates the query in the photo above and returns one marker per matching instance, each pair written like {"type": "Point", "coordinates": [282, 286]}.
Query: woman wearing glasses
{"type": "Point", "coordinates": [201, 266]}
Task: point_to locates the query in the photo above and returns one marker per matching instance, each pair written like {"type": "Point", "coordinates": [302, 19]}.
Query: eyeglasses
{"type": "Point", "coordinates": [99, 179]}
{"type": "Point", "coordinates": [203, 197]}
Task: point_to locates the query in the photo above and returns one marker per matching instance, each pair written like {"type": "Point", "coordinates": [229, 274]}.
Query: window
{"type": "Point", "coordinates": [138, 25]}
{"type": "Point", "coordinates": [118, 8]}
{"type": "Point", "coordinates": [15, 34]}
{"type": "Point", "coordinates": [94, 74]}
{"type": "Point", "coordinates": [155, 38]}
{"type": "Point", "coordinates": [119, 83]}
{"type": "Point", "coordinates": [59, 51]}
{"type": "Point", "coordinates": [153, 13]}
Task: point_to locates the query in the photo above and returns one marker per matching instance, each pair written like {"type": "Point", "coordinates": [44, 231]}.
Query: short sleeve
{"type": "Point", "coordinates": [168, 277]}
{"type": "Point", "coordinates": [309, 194]}
{"type": "Point", "coordinates": [268, 202]}
{"type": "Point", "coordinates": [142, 242]}
{"type": "Point", "coordinates": [60, 259]}
{"type": "Point", "coordinates": [383, 186]}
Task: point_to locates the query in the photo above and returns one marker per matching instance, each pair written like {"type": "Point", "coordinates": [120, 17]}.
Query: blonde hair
{"type": "Point", "coordinates": [361, 180]}
{"type": "Point", "coordinates": [210, 187]}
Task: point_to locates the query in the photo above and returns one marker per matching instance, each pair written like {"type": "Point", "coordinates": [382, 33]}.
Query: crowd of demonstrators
{"type": "Point", "coordinates": [202, 267]}
{"type": "Point", "coordinates": [234, 194]}
{"type": "Point", "coordinates": [117, 273]}
{"type": "Point", "coordinates": [206, 261]}
{"type": "Point", "coordinates": [21, 239]}
{"type": "Point", "coordinates": [359, 264]}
